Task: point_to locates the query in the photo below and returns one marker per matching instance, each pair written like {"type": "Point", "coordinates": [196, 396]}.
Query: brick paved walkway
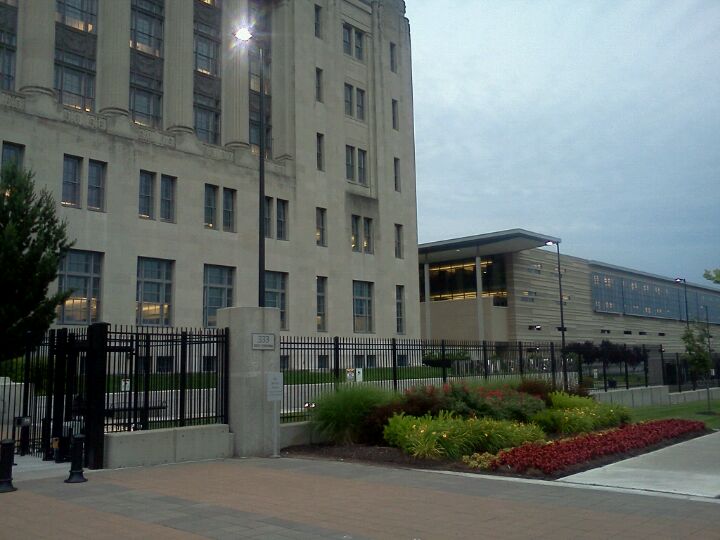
{"type": "Point", "coordinates": [292, 498]}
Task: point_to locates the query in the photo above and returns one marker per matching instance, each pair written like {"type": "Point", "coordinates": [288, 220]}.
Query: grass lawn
{"type": "Point", "coordinates": [689, 411]}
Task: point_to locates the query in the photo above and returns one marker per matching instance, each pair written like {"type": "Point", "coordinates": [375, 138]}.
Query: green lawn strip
{"type": "Point", "coordinates": [689, 411]}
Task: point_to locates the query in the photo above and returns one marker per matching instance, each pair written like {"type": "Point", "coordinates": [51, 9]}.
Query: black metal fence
{"type": "Point", "coordinates": [97, 379]}
{"type": "Point", "coordinates": [313, 366]}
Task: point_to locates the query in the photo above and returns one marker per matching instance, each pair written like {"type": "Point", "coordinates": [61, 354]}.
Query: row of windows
{"type": "Point", "coordinates": [80, 273]}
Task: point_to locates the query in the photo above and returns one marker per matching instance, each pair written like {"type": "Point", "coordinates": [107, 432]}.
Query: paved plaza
{"type": "Point", "coordinates": [295, 498]}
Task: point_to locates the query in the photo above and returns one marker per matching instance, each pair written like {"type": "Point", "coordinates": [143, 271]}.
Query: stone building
{"type": "Point", "coordinates": [142, 119]}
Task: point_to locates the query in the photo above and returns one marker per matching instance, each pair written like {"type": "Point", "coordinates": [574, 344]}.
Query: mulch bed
{"type": "Point", "coordinates": [394, 457]}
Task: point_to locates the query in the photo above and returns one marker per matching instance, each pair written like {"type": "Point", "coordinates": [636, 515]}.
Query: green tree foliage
{"type": "Point", "coordinates": [696, 339]}
{"type": "Point", "coordinates": [32, 240]}
{"type": "Point", "coordinates": [713, 275]}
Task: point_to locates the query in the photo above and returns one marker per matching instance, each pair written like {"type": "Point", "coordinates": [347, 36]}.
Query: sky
{"type": "Point", "coordinates": [594, 121]}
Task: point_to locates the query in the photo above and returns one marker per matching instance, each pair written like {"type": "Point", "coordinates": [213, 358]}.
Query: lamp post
{"type": "Point", "coordinates": [707, 326]}
{"type": "Point", "coordinates": [687, 313]}
{"type": "Point", "coordinates": [245, 35]}
{"type": "Point", "coordinates": [562, 312]}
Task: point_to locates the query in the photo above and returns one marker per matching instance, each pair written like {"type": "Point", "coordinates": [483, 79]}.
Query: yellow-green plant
{"type": "Point", "coordinates": [479, 460]}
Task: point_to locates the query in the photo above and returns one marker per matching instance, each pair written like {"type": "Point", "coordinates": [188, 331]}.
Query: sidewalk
{"type": "Point", "coordinates": [294, 498]}
{"type": "Point", "coordinates": [689, 468]}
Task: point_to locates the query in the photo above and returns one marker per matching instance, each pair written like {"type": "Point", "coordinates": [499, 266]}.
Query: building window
{"type": "Point", "coordinates": [396, 174]}
{"type": "Point", "coordinates": [362, 167]}
{"type": "Point", "coordinates": [206, 54]}
{"type": "Point", "coordinates": [318, 84]}
{"type": "Point", "coordinates": [209, 363]}
{"type": "Point", "coordinates": [71, 181]}
{"type": "Point", "coordinates": [261, 13]}
{"type": "Point", "coordinates": [146, 203]}
{"type": "Point", "coordinates": [268, 217]}
{"type": "Point", "coordinates": [321, 304]}
{"type": "Point", "coordinates": [146, 26]}
{"type": "Point", "coordinates": [96, 185]}
{"type": "Point", "coordinates": [321, 226]}
{"type": "Point", "coordinates": [359, 44]}
{"type": "Point", "coordinates": [348, 99]}
{"type": "Point", "coordinates": [217, 291]}
{"type": "Point", "coordinates": [393, 58]}
{"type": "Point", "coordinates": [276, 294]}
{"type": "Point", "coordinates": [77, 14]}
{"type": "Point", "coordinates": [165, 364]}
{"type": "Point", "coordinates": [154, 292]}
{"type": "Point", "coordinates": [395, 115]}
{"type": "Point", "coordinates": [320, 151]}
{"type": "Point", "coordinates": [362, 306]}
{"type": "Point", "coordinates": [167, 198]}
{"type": "Point", "coordinates": [146, 100]}
{"type": "Point", "coordinates": [229, 196]}
{"type": "Point", "coordinates": [368, 244]}
{"type": "Point", "coordinates": [8, 48]}
{"type": "Point", "coordinates": [281, 227]}
{"type": "Point", "coordinates": [211, 193]}
{"type": "Point", "coordinates": [360, 104]}
{"type": "Point", "coordinates": [355, 233]}
{"type": "Point", "coordinates": [75, 80]}
{"type": "Point", "coordinates": [12, 153]}
{"type": "Point", "coordinates": [80, 272]}
{"type": "Point", "coordinates": [206, 113]}
{"type": "Point", "coordinates": [318, 21]}
{"type": "Point", "coordinates": [358, 361]}
{"type": "Point", "coordinates": [398, 241]}
{"type": "Point", "coordinates": [323, 361]}
{"type": "Point", "coordinates": [400, 309]}
{"type": "Point", "coordinates": [350, 163]}
{"type": "Point", "coordinates": [347, 39]}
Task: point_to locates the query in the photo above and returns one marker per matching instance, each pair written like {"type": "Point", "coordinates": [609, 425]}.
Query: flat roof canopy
{"type": "Point", "coordinates": [493, 243]}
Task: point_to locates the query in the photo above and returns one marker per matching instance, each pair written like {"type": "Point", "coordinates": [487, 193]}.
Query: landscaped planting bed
{"type": "Point", "coordinates": [518, 430]}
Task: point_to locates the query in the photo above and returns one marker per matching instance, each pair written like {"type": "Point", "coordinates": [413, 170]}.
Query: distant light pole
{"type": "Point", "coordinates": [707, 326]}
{"type": "Point", "coordinates": [687, 313]}
{"type": "Point", "coordinates": [562, 312]}
{"type": "Point", "coordinates": [245, 35]}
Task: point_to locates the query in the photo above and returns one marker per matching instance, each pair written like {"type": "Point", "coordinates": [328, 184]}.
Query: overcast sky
{"type": "Point", "coordinates": [594, 121]}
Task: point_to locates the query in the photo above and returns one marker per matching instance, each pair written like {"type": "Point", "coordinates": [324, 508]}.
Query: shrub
{"type": "Point", "coordinates": [422, 400]}
{"type": "Point", "coordinates": [556, 456]}
{"type": "Point", "coordinates": [563, 400]}
{"type": "Point", "coordinates": [539, 388]}
{"type": "Point", "coordinates": [340, 415]}
{"type": "Point", "coordinates": [372, 426]}
{"type": "Point", "coordinates": [565, 421]}
{"type": "Point", "coordinates": [448, 436]}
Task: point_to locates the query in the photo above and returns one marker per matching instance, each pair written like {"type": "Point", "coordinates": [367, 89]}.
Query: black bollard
{"type": "Point", "coordinates": [7, 451]}
{"type": "Point", "coordinates": [76, 464]}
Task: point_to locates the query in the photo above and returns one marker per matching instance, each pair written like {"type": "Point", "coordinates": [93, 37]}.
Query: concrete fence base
{"type": "Point", "coordinates": [652, 395]}
{"type": "Point", "coordinates": [173, 445]}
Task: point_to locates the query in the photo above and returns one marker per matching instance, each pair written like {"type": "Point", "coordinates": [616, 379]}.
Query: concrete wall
{"type": "Point", "coordinates": [652, 395]}
{"type": "Point", "coordinates": [158, 446]}
{"type": "Point", "coordinates": [299, 433]}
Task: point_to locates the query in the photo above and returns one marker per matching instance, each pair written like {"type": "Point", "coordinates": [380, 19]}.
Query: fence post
{"type": "Point", "coordinates": [677, 371]}
{"type": "Point", "coordinates": [627, 377]}
{"type": "Point", "coordinates": [486, 361]}
{"type": "Point", "coordinates": [552, 364]}
{"type": "Point", "coordinates": [59, 391]}
{"type": "Point", "coordinates": [604, 362]}
{"type": "Point", "coordinates": [47, 420]}
{"type": "Point", "coordinates": [394, 364]}
{"type": "Point", "coordinates": [226, 377]}
{"type": "Point", "coordinates": [520, 359]}
{"type": "Point", "coordinates": [25, 430]}
{"type": "Point", "coordinates": [645, 365]}
{"type": "Point", "coordinates": [662, 363]}
{"type": "Point", "coordinates": [580, 370]}
{"type": "Point", "coordinates": [97, 338]}
{"type": "Point", "coordinates": [442, 360]}
{"type": "Point", "coordinates": [336, 359]}
{"type": "Point", "coordinates": [146, 386]}
{"type": "Point", "coordinates": [183, 376]}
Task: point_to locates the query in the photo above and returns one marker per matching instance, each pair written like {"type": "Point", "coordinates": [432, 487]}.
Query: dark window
{"type": "Point", "coordinates": [368, 236]}
{"type": "Point", "coordinates": [359, 45]}
{"type": "Point", "coordinates": [350, 163]}
{"type": "Point", "coordinates": [320, 151]}
{"type": "Point", "coordinates": [321, 226]}
{"type": "Point", "coordinates": [284, 362]}
{"type": "Point", "coordinates": [75, 80]}
{"type": "Point", "coordinates": [165, 364]}
{"type": "Point", "coordinates": [229, 196]}
{"type": "Point", "coordinates": [318, 84]}
{"type": "Point", "coordinates": [209, 363]}
{"type": "Point", "coordinates": [393, 57]}
{"type": "Point", "coordinates": [71, 181]}
{"type": "Point", "coordinates": [395, 115]}
{"type": "Point", "coordinates": [355, 238]}
{"type": "Point", "coordinates": [268, 217]}
{"type": "Point", "coordinates": [146, 26]}
{"type": "Point", "coordinates": [281, 224]}
{"type": "Point", "coordinates": [211, 193]}
{"type": "Point", "coordinates": [96, 185]}
{"type": "Point", "coordinates": [206, 112]}
{"type": "Point", "coordinates": [359, 361]}
{"type": "Point", "coordinates": [402, 360]}
{"type": "Point", "coordinates": [400, 309]}
{"type": "Point", "coordinates": [362, 306]}
{"type": "Point", "coordinates": [146, 99]}
{"type": "Point", "coordinates": [217, 291]}
{"type": "Point", "coordinates": [276, 294]}
{"type": "Point", "coordinates": [318, 21]}
{"type": "Point", "coordinates": [78, 14]}
{"type": "Point", "coordinates": [12, 153]}
{"type": "Point", "coordinates": [206, 95]}
{"type": "Point", "coordinates": [360, 104]}
{"type": "Point", "coordinates": [8, 46]}
{"type": "Point", "coordinates": [146, 199]}
{"type": "Point", "coordinates": [396, 174]}
{"type": "Point", "coordinates": [362, 167]}
{"type": "Point", "coordinates": [154, 292]}
{"type": "Point", "coordinates": [347, 39]}
{"type": "Point", "coordinates": [323, 361]}
{"type": "Point", "coordinates": [348, 100]}
{"type": "Point", "coordinates": [398, 241]}
{"type": "Point", "coordinates": [167, 198]}
{"type": "Point", "coordinates": [261, 14]}
{"type": "Point", "coordinates": [207, 52]}
{"type": "Point", "coordinates": [321, 303]}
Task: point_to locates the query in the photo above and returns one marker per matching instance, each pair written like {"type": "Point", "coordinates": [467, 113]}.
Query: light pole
{"type": "Point", "coordinates": [562, 312]}
{"type": "Point", "coordinates": [687, 313]}
{"type": "Point", "coordinates": [245, 35]}
{"type": "Point", "coordinates": [707, 327]}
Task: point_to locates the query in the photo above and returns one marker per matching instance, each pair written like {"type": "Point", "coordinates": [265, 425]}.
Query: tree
{"type": "Point", "coordinates": [713, 275]}
{"type": "Point", "coordinates": [32, 241]}
{"type": "Point", "coordinates": [697, 339]}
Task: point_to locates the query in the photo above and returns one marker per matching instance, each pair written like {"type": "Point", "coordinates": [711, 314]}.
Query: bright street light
{"type": "Point", "coordinates": [244, 34]}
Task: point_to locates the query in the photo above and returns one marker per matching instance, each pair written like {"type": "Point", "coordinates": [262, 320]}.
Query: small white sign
{"type": "Point", "coordinates": [359, 374]}
{"type": "Point", "coordinates": [274, 386]}
{"type": "Point", "coordinates": [263, 342]}
{"type": "Point", "coordinates": [124, 385]}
